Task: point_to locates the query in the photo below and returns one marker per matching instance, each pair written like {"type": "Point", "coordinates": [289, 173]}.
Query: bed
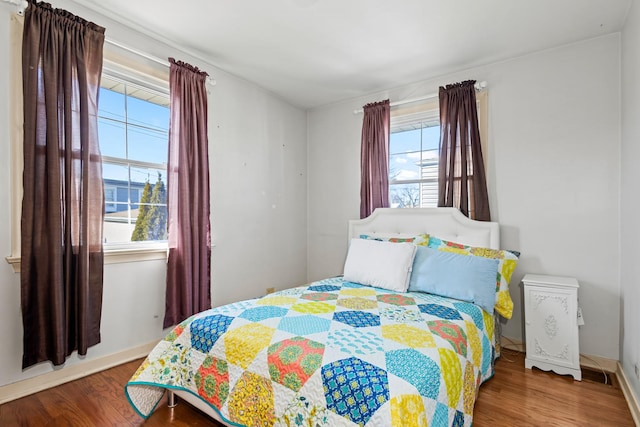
{"type": "Point", "coordinates": [341, 352]}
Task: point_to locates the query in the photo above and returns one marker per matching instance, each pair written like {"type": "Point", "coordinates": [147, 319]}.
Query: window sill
{"type": "Point", "coordinates": [120, 255]}
{"type": "Point", "coordinates": [114, 256]}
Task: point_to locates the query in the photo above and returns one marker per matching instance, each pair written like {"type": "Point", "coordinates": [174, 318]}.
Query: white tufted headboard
{"type": "Point", "coordinates": [445, 223]}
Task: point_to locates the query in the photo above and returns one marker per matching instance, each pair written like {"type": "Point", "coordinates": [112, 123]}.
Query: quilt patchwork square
{"type": "Point", "coordinates": [354, 389]}
{"type": "Point", "coordinates": [205, 331]}
{"type": "Point", "coordinates": [304, 325]}
{"type": "Point", "coordinates": [357, 319]}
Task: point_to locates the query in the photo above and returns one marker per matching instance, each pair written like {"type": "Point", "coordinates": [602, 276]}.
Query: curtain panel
{"type": "Point", "coordinates": [374, 157]}
{"type": "Point", "coordinates": [189, 264]}
{"type": "Point", "coordinates": [461, 174]}
{"type": "Point", "coordinates": [63, 202]}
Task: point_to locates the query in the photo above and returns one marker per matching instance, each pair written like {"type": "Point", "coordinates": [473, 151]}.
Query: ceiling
{"type": "Point", "coordinates": [316, 52]}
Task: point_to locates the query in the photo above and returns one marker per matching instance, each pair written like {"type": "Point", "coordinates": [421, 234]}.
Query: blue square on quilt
{"type": "Point", "coordinates": [440, 416]}
{"type": "Point", "coordinates": [206, 331]}
{"type": "Point", "coordinates": [235, 307]}
{"type": "Point", "coordinates": [430, 298]}
{"type": "Point", "coordinates": [258, 314]}
{"type": "Point", "coordinates": [357, 319]}
{"type": "Point", "coordinates": [354, 389]}
{"type": "Point", "coordinates": [351, 285]}
{"type": "Point", "coordinates": [304, 325]}
{"type": "Point", "coordinates": [416, 369]}
{"type": "Point", "coordinates": [440, 311]}
{"type": "Point", "coordinates": [487, 354]}
{"type": "Point", "coordinates": [323, 288]}
{"type": "Point", "coordinates": [473, 311]}
{"type": "Point", "coordinates": [355, 341]}
{"type": "Point", "coordinates": [458, 420]}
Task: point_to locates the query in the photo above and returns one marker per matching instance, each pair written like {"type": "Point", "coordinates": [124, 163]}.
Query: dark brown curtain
{"type": "Point", "coordinates": [189, 264]}
{"type": "Point", "coordinates": [461, 177]}
{"type": "Point", "coordinates": [63, 203]}
{"type": "Point", "coordinates": [374, 158]}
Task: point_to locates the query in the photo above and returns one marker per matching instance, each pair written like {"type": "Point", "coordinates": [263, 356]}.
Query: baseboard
{"type": "Point", "coordinates": [599, 363]}
{"type": "Point", "coordinates": [38, 383]}
{"type": "Point", "coordinates": [632, 399]}
{"type": "Point", "coordinates": [588, 361]}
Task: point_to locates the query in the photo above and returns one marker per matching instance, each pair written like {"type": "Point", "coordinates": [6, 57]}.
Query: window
{"type": "Point", "coordinates": [413, 157]}
{"type": "Point", "coordinates": [413, 153]}
{"type": "Point", "coordinates": [413, 165]}
{"type": "Point", "coordinates": [133, 127]}
{"type": "Point", "coordinates": [134, 146]}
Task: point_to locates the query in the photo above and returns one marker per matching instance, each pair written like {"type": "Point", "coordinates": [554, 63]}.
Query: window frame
{"type": "Point", "coordinates": [115, 63]}
{"type": "Point", "coordinates": [413, 117]}
{"type": "Point", "coordinates": [135, 80]}
{"type": "Point", "coordinates": [16, 137]}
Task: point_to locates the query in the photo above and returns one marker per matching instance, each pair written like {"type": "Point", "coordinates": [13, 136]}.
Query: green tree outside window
{"type": "Point", "coordinates": [151, 223]}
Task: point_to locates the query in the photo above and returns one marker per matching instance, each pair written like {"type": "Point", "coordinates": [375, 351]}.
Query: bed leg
{"type": "Point", "coordinates": [171, 399]}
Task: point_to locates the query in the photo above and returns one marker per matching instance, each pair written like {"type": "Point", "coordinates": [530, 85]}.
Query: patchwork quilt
{"type": "Point", "coordinates": [330, 353]}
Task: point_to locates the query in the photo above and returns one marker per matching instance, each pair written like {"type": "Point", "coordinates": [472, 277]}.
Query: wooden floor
{"type": "Point", "coordinates": [515, 396]}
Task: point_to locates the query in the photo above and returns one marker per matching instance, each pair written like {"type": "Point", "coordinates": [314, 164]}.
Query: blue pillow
{"type": "Point", "coordinates": [463, 277]}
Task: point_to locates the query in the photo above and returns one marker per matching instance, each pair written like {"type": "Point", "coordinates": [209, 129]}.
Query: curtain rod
{"type": "Point", "coordinates": [479, 86]}
{"type": "Point", "coordinates": [21, 6]}
{"type": "Point", "coordinates": [164, 62]}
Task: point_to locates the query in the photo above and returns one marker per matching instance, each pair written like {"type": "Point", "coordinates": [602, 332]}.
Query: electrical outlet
{"type": "Point", "coordinates": [270, 290]}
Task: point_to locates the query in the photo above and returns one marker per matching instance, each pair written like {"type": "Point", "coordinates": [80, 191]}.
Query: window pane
{"type": "Point", "coordinates": [112, 139]}
{"type": "Point", "coordinates": [133, 128]}
{"type": "Point", "coordinates": [111, 101]}
{"type": "Point", "coordinates": [429, 164]}
{"type": "Point", "coordinates": [109, 198]}
{"type": "Point", "coordinates": [116, 185]}
{"type": "Point", "coordinates": [118, 228]}
{"type": "Point", "coordinates": [135, 192]}
{"type": "Point", "coordinates": [147, 145]}
{"type": "Point", "coordinates": [429, 194]}
{"type": "Point", "coordinates": [413, 164]}
{"type": "Point", "coordinates": [143, 111]}
{"type": "Point", "coordinates": [431, 137]}
{"type": "Point", "coordinates": [150, 211]}
{"type": "Point", "coordinates": [155, 224]}
{"type": "Point", "coordinates": [117, 222]}
{"type": "Point", "coordinates": [404, 166]}
{"type": "Point", "coordinates": [140, 176]}
{"type": "Point", "coordinates": [404, 195]}
{"type": "Point", "coordinates": [404, 141]}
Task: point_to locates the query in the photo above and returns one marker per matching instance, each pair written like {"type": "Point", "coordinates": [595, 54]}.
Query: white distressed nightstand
{"type": "Point", "coordinates": [551, 324]}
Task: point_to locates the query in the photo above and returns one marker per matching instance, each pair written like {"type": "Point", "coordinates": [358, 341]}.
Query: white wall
{"type": "Point", "coordinates": [553, 161]}
{"type": "Point", "coordinates": [630, 199]}
{"type": "Point", "coordinates": [257, 148]}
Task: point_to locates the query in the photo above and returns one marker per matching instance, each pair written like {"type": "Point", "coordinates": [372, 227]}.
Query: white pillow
{"type": "Point", "coordinates": [381, 264]}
